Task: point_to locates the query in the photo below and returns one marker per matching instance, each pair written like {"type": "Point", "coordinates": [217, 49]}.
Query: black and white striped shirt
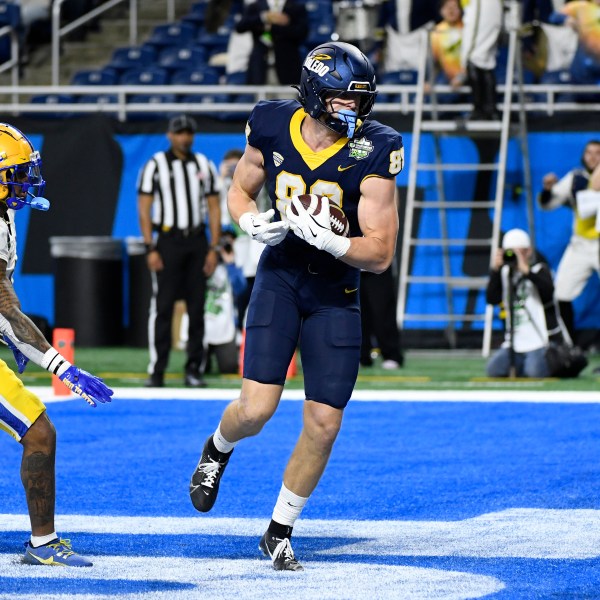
{"type": "Point", "coordinates": [180, 189]}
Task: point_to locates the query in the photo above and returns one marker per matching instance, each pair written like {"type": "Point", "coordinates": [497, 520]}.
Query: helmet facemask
{"type": "Point", "coordinates": [23, 184]}
{"type": "Point", "coordinates": [330, 71]}
{"type": "Point", "coordinates": [344, 120]}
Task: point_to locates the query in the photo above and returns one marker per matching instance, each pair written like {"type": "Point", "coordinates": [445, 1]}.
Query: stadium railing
{"type": "Point", "coordinates": [540, 99]}
{"type": "Point", "coordinates": [58, 32]}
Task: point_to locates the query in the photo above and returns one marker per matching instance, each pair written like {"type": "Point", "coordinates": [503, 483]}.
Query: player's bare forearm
{"type": "Point", "coordinates": [378, 220]}
{"type": "Point", "coordinates": [372, 254]}
{"type": "Point", "coordinates": [16, 324]}
{"type": "Point", "coordinates": [248, 179]}
{"type": "Point", "coordinates": [214, 217]}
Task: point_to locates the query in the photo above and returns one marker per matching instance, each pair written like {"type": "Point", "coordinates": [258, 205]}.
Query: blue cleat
{"type": "Point", "coordinates": [57, 553]}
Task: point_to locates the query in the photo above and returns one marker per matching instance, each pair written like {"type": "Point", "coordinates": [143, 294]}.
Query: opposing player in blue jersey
{"type": "Point", "coordinates": [22, 414]}
{"type": "Point", "coordinates": [306, 288]}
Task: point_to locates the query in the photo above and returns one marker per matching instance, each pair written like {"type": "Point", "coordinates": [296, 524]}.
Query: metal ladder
{"type": "Point", "coordinates": [501, 130]}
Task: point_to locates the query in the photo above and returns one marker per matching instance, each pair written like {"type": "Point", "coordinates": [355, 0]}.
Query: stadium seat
{"type": "Point", "coordinates": [104, 76]}
{"type": "Point", "coordinates": [199, 77]}
{"type": "Point", "coordinates": [132, 57]}
{"type": "Point", "coordinates": [10, 14]}
{"type": "Point", "coordinates": [321, 23]}
{"type": "Point", "coordinates": [177, 59]}
{"type": "Point", "coordinates": [98, 99]}
{"type": "Point", "coordinates": [403, 77]}
{"type": "Point", "coordinates": [52, 99]}
{"type": "Point", "coordinates": [207, 76]}
{"type": "Point", "coordinates": [238, 78]}
{"type": "Point", "coordinates": [196, 14]}
{"type": "Point", "coordinates": [216, 42]}
{"type": "Point", "coordinates": [145, 76]}
{"type": "Point", "coordinates": [172, 34]}
{"type": "Point", "coordinates": [155, 99]}
{"type": "Point", "coordinates": [562, 77]}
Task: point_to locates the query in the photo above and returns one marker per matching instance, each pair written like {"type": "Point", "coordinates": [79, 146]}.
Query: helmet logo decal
{"type": "Point", "coordinates": [316, 66]}
{"type": "Point", "coordinates": [360, 148]}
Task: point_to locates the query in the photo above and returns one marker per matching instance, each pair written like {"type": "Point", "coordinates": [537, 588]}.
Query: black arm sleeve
{"type": "Point", "coordinates": [493, 293]}
{"type": "Point", "coordinates": [544, 197]}
{"type": "Point", "coordinates": [542, 280]}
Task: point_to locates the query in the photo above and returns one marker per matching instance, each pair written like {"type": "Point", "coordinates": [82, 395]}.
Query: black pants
{"type": "Point", "coordinates": [181, 278]}
{"type": "Point", "coordinates": [378, 316]}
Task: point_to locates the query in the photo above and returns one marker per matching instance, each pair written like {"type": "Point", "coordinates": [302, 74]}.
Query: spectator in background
{"type": "Point", "coordinates": [220, 316]}
{"type": "Point", "coordinates": [278, 27]}
{"type": "Point", "coordinates": [399, 35]}
{"type": "Point", "coordinates": [226, 170]}
{"type": "Point", "coordinates": [580, 258]}
{"type": "Point", "coordinates": [524, 286]}
{"type": "Point", "coordinates": [378, 319]}
{"type": "Point", "coordinates": [182, 186]}
{"type": "Point", "coordinates": [35, 18]}
{"type": "Point", "coordinates": [247, 251]}
{"type": "Point", "coordinates": [482, 25]}
{"type": "Point", "coordinates": [583, 17]}
{"type": "Point", "coordinates": [446, 43]}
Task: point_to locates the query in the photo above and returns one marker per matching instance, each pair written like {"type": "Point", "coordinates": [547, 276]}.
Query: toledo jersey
{"type": "Point", "coordinates": [293, 168]}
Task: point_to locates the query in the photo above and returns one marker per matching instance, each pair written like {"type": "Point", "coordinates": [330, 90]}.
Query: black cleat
{"type": "Point", "coordinates": [194, 380]}
{"type": "Point", "coordinates": [279, 550]}
{"type": "Point", "coordinates": [155, 380]}
{"type": "Point", "coordinates": [204, 485]}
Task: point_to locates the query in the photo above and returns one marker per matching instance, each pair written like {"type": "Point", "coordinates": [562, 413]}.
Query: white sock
{"type": "Point", "coordinates": [288, 507]}
{"type": "Point", "coordinates": [221, 444]}
{"type": "Point", "coordinates": [39, 540]}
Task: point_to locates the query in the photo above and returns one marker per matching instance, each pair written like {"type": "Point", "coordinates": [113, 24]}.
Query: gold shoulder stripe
{"type": "Point", "coordinates": [312, 159]}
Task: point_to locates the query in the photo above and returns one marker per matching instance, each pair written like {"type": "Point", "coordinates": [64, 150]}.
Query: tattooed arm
{"type": "Point", "coordinates": [16, 325]}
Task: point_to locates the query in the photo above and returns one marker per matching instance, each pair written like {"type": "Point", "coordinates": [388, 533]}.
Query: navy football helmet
{"type": "Point", "coordinates": [21, 181]}
{"type": "Point", "coordinates": [337, 68]}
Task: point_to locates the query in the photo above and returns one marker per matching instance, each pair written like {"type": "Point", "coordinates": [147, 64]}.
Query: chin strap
{"type": "Point", "coordinates": [350, 118]}
{"type": "Point", "coordinates": [37, 202]}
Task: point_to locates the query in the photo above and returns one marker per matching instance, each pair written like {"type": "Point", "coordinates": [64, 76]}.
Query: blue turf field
{"type": "Point", "coordinates": [427, 500]}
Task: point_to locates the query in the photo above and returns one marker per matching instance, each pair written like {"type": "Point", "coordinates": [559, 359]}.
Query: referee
{"type": "Point", "coordinates": [178, 198]}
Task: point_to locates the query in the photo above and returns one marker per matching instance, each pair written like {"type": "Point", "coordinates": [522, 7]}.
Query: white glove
{"type": "Point", "coordinates": [259, 227]}
{"type": "Point", "coordinates": [316, 229]}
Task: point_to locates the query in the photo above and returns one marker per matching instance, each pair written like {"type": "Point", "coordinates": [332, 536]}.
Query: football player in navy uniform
{"type": "Point", "coordinates": [22, 414]}
{"type": "Point", "coordinates": [306, 288]}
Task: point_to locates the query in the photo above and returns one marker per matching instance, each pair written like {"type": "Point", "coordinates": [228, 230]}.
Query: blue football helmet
{"type": "Point", "coordinates": [333, 69]}
{"type": "Point", "coordinates": [21, 181]}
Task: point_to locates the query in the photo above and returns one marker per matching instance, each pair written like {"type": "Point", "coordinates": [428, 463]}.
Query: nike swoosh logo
{"type": "Point", "coordinates": [340, 168]}
{"type": "Point", "coordinates": [347, 291]}
{"type": "Point", "coordinates": [46, 561]}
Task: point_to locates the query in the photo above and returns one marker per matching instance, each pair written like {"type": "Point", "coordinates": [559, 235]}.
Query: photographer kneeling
{"type": "Point", "coordinates": [526, 289]}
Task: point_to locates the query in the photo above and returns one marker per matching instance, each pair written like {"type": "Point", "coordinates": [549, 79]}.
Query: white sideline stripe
{"type": "Point", "coordinates": [251, 579]}
{"type": "Point", "coordinates": [46, 394]}
{"type": "Point", "coordinates": [512, 533]}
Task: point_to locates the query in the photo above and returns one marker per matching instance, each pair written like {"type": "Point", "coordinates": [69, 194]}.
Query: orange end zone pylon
{"type": "Point", "coordinates": [64, 341]}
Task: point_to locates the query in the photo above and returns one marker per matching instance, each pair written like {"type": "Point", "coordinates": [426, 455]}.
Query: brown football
{"type": "Point", "coordinates": [337, 217]}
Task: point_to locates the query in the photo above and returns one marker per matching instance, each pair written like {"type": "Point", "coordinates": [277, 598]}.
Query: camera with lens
{"type": "Point", "coordinates": [509, 257]}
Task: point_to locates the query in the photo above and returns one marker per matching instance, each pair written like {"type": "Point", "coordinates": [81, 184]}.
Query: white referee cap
{"type": "Point", "coordinates": [516, 238]}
